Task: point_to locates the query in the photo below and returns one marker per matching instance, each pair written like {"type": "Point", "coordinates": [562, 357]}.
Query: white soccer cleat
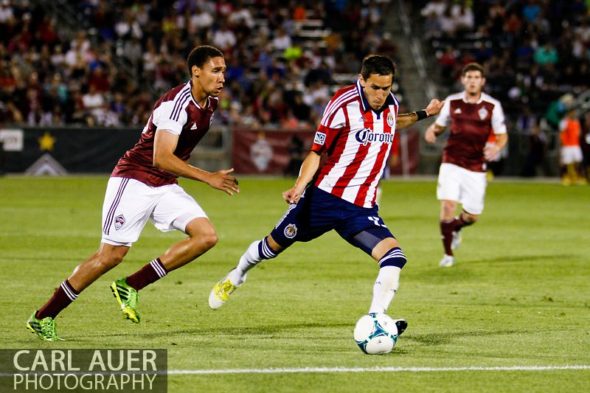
{"type": "Point", "coordinates": [447, 261]}
{"type": "Point", "coordinates": [456, 242]}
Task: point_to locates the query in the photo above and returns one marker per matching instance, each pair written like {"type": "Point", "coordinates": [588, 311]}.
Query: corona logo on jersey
{"type": "Point", "coordinates": [365, 136]}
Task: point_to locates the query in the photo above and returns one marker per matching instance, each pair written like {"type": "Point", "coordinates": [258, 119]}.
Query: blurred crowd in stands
{"type": "Point", "coordinates": [97, 62]}
{"type": "Point", "coordinates": [103, 63]}
{"type": "Point", "coordinates": [536, 54]}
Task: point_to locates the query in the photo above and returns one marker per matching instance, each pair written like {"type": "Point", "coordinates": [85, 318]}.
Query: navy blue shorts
{"type": "Point", "coordinates": [318, 212]}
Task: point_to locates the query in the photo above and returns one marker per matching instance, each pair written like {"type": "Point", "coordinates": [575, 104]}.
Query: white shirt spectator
{"type": "Point", "coordinates": [434, 7]}
{"type": "Point", "coordinates": [94, 103]}
{"type": "Point", "coordinates": [242, 16]}
{"type": "Point", "coordinates": [6, 12]}
{"type": "Point", "coordinates": [463, 17]}
{"type": "Point", "coordinates": [224, 38]}
{"type": "Point", "coordinates": [281, 41]}
{"type": "Point", "coordinates": [200, 21]}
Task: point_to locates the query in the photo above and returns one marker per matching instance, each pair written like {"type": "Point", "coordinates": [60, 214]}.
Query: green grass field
{"type": "Point", "coordinates": [518, 297]}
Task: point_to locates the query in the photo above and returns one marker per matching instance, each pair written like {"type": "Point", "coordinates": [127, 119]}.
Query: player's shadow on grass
{"type": "Point", "coordinates": [447, 338]}
{"type": "Point", "coordinates": [520, 258]}
{"type": "Point", "coordinates": [235, 331]}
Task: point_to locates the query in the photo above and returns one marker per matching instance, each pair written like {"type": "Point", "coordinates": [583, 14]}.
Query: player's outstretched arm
{"type": "Point", "coordinates": [306, 173]}
{"type": "Point", "coordinates": [164, 145]}
{"type": "Point", "coordinates": [432, 132]}
{"type": "Point", "coordinates": [408, 119]}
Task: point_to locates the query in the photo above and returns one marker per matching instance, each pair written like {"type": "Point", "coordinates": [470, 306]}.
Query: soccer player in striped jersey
{"type": "Point", "coordinates": [472, 116]}
{"type": "Point", "coordinates": [144, 186]}
{"type": "Point", "coordinates": [356, 133]}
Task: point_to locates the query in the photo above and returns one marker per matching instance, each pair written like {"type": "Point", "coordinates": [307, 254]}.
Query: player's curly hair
{"type": "Point", "coordinates": [377, 64]}
{"type": "Point", "coordinates": [200, 55]}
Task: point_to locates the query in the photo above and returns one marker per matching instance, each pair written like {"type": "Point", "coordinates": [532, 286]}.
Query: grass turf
{"type": "Point", "coordinates": [518, 296]}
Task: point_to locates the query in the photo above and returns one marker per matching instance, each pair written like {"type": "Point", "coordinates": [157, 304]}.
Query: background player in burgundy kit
{"type": "Point", "coordinates": [144, 186]}
{"type": "Point", "coordinates": [471, 115]}
{"type": "Point", "coordinates": [356, 133]}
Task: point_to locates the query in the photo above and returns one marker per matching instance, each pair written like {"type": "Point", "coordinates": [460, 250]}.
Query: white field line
{"type": "Point", "coordinates": [305, 370]}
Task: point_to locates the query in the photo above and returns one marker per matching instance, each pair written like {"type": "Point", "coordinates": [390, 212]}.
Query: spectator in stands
{"type": "Point", "coordinates": [223, 37]}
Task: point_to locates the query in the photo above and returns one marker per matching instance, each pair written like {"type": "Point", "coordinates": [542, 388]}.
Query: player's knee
{"type": "Point", "coordinates": [469, 218]}
{"type": "Point", "coordinates": [205, 241]}
{"type": "Point", "coordinates": [110, 257]}
{"type": "Point", "coordinates": [107, 262]}
{"type": "Point", "coordinates": [210, 240]}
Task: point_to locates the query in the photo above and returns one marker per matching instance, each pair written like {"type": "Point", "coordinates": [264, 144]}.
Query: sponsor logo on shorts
{"type": "Point", "coordinates": [319, 138]}
{"type": "Point", "coordinates": [290, 231]}
{"type": "Point", "coordinates": [119, 221]}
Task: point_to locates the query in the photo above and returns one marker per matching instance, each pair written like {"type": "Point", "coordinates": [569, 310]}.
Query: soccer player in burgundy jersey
{"type": "Point", "coordinates": [356, 133]}
{"type": "Point", "coordinates": [144, 186]}
{"type": "Point", "coordinates": [472, 116]}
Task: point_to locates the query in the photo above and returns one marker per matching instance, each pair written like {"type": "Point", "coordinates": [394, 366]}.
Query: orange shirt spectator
{"type": "Point", "coordinates": [570, 129]}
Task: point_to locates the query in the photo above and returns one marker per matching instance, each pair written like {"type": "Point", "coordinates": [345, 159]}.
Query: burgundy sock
{"type": "Point", "coordinates": [148, 274]}
{"type": "Point", "coordinates": [460, 223]}
{"type": "Point", "coordinates": [62, 297]}
{"type": "Point", "coordinates": [446, 230]}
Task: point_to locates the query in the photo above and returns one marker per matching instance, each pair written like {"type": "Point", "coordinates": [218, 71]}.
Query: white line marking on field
{"type": "Point", "coordinates": [304, 370]}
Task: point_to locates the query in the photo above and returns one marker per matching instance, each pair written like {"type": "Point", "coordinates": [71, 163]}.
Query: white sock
{"type": "Point", "coordinates": [385, 288]}
{"type": "Point", "coordinates": [257, 252]}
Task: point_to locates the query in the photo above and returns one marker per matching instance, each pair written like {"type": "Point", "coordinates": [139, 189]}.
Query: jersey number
{"type": "Point", "coordinates": [377, 221]}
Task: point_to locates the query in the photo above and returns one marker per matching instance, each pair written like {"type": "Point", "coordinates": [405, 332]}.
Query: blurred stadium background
{"type": "Point", "coordinates": [77, 74]}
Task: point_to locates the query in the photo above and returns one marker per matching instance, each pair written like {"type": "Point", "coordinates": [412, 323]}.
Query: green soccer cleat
{"type": "Point", "coordinates": [44, 328]}
{"type": "Point", "coordinates": [127, 297]}
{"type": "Point", "coordinates": [220, 293]}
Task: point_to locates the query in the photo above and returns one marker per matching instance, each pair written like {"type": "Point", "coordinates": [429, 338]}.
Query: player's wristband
{"type": "Point", "coordinates": [421, 114]}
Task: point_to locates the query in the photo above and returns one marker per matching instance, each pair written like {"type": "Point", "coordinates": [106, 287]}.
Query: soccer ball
{"type": "Point", "coordinates": [375, 334]}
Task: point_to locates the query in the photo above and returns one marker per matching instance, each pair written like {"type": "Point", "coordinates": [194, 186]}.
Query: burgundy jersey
{"type": "Point", "coordinates": [357, 141]}
{"type": "Point", "coordinates": [177, 112]}
{"type": "Point", "coordinates": [470, 126]}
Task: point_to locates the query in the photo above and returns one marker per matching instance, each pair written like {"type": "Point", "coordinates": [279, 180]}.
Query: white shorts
{"type": "Point", "coordinates": [129, 203]}
{"type": "Point", "coordinates": [571, 155]}
{"type": "Point", "coordinates": [461, 185]}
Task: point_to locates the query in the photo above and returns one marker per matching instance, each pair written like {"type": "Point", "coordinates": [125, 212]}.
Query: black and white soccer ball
{"type": "Point", "coordinates": [375, 334]}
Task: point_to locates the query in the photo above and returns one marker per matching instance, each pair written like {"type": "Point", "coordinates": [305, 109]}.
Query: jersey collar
{"type": "Point", "coordinates": [478, 101]}
{"type": "Point", "coordinates": [390, 100]}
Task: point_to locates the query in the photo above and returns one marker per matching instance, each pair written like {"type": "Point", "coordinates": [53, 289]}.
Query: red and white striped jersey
{"type": "Point", "coordinates": [357, 141]}
{"type": "Point", "coordinates": [177, 112]}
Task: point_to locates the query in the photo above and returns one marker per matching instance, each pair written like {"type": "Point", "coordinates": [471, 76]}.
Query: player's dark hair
{"type": "Point", "coordinates": [472, 67]}
{"type": "Point", "coordinates": [200, 55]}
{"type": "Point", "coordinates": [377, 64]}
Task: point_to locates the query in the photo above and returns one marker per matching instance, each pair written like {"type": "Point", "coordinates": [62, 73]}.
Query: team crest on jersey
{"type": "Point", "coordinates": [319, 138]}
{"type": "Point", "coordinates": [483, 113]}
{"type": "Point", "coordinates": [390, 119]}
{"type": "Point", "coordinates": [290, 231]}
{"type": "Point", "coordinates": [119, 221]}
